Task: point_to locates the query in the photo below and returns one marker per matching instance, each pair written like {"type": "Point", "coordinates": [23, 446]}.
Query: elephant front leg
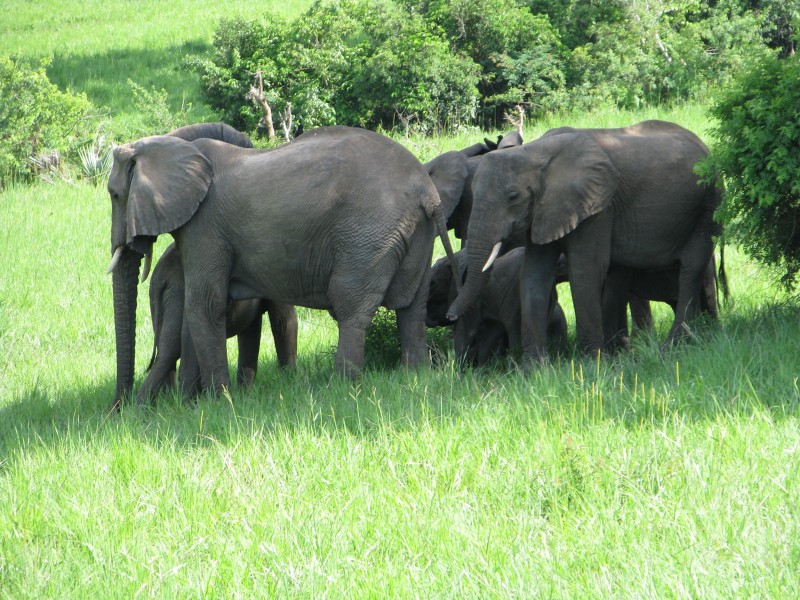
{"type": "Point", "coordinates": [205, 317]}
{"type": "Point", "coordinates": [537, 278]}
{"type": "Point", "coordinates": [588, 260]}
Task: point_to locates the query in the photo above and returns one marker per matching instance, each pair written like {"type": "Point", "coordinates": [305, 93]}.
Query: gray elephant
{"type": "Point", "coordinates": [625, 196]}
{"type": "Point", "coordinates": [492, 326]}
{"type": "Point", "coordinates": [243, 318]}
{"type": "Point", "coordinates": [340, 218]}
{"type": "Point", "coordinates": [452, 174]}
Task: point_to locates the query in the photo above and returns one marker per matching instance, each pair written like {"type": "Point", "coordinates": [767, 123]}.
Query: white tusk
{"type": "Point", "coordinates": [115, 259]}
{"type": "Point", "coordinates": [148, 260]}
{"type": "Point", "coordinates": [492, 257]}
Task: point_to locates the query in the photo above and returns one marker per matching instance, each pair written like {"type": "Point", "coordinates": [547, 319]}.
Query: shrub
{"type": "Point", "coordinates": [351, 62]}
{"type": "Point", "coordinates": [757, 151]}
{"type": "Point", "coordinates": [36, 118]}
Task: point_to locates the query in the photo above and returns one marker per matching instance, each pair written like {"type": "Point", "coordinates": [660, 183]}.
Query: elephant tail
{"type": "Point", "coordinates": [441, 226]}
{"type": "Point", "coordinates": [722, 276]}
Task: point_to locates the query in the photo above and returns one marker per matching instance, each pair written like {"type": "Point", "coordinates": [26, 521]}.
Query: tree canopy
{"type": "Point", "coordinates": [444, 64]}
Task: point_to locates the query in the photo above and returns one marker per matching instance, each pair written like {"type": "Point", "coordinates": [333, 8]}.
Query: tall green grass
{"type": "Point", "coordinates": [96, 47]}
{"type": "Point", "coordinates": [659, 473]}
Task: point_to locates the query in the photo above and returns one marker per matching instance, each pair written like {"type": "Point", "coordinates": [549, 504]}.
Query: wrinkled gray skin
{"type": "Point", "coordinates": [452, 174]}
{"type": "Point", "coordinates": [340, 218]}
{"type": "Point", "coordinates": [243, 318]}
{"type": "Point", "coordinates": [638, 287]}
{"type": "Point", "coordinates": [492, 326]}
{"type": "Point", "coordinates": [627, 196]}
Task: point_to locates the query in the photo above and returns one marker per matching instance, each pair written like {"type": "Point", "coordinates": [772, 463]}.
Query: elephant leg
{"type": "Point", "coordinates": [465, 332]}
{"type": "Point", "coordinates": [557, 327]}
{"type": "Point", "coordinates": [205, 314]}
{"type": "Point", "coordinates": [283, 322]}
{"type": "Point", "coordinates": [588, 257]}
{"type": "Point", "coordinates": [537, 278]}
{"type": "Point", "coordinates": [354, 315]}
{"type": "Point", "coordinates": [189, 372]}
{"type": "Point", "coordinates": [490, 341]}
{"type": "Point", "coordinates": [411, 326]}
{"type": "Point", "coordinates": [249, 341]}
{"type": "Point", "coordinates": [694, 263]}
{"type": "Point", "coordinates": [641, 314]}
{"type": "Point", "coordinates": [615, 308]}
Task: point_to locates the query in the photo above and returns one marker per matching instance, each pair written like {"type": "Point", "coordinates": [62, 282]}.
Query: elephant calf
{"type": "Point", "coordinates": [492, 325]}
{"type": "Point", "coordinates": [638, 287]}
{"type": "Point", "coordinates": [242, 319]}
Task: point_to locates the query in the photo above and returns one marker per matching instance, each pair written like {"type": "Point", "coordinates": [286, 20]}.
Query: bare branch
{"type": "Point", "coordinates": [257, 95]}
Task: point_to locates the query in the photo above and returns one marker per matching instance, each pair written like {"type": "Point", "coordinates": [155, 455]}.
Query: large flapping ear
{"type": "Point", "coordinates": [578, 181]}
{"type": "Point", "coordinates": [449, 172]}
{"type": "Point", "coordinates": [169, 181]}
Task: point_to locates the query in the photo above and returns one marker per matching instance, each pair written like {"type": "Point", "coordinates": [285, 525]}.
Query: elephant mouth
{"type": "Point", "coordinates": [142, 247]}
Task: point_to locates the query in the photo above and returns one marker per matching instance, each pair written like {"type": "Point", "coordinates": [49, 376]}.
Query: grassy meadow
{"type": "Point", "coordinates": [658, 473]}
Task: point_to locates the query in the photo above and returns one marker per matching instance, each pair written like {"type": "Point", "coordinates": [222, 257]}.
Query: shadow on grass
{"type": "Point", "coordinates": [104, 77]}
{"type": "Point", "coordinates": [743, 365]}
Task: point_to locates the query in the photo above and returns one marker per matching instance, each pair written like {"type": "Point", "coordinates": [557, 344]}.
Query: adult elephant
{"type": "Point", "coordinates": [627, 196]}
{"type": "Point", "coordinates": [452, 174]}
{"type": "Point", "coordinates": [340, 218]}
{"type": "Point", "coordinates": [243, 318]}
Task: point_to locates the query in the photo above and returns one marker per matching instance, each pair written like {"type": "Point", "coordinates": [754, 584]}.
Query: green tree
{"type": "Point", "coordinates": [757, 152]}
{"type": "Point", "coordinates": [36, 117]}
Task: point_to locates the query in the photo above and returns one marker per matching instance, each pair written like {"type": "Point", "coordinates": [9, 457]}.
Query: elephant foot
{"type": "Point", "coordinates": [246, 377]}
{"type": "Point", "coordinates": [348, 369]}
{"type": "Point", "coordinates": [680, 333]}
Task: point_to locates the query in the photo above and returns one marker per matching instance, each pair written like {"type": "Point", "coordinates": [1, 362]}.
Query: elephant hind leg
{"type": "Point", "coordinates": [694, 264]}
{"type": "Point", "coordinates": [411, 327]}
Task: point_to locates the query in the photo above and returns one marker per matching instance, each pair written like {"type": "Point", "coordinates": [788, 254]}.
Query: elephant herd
{"type": "Point", "coordinates": [345, 219]}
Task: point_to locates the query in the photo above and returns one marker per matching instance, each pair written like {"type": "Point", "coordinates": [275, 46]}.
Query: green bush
{"type": "Point", "coordinates": [352, 62]}
{"type": "Point", "coordinates": [36, 118]}
{"type": "Point", "coordinates": [757, 151]}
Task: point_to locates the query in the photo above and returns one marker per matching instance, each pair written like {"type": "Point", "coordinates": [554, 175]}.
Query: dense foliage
{"type": "Point", "coordinates": [38, 122]}
{"type": "Point", "coordinates": [757, 151]}
{"type": "Point", "coordinates": [432, 64]}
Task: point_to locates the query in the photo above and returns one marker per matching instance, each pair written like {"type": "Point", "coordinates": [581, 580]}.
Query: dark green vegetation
{"type": "Point", "coordinates": [654, 474]}
{"type": "Point", "coordinates": [757, 150]}
{"type": "Point", "coordinates": [446, 64]}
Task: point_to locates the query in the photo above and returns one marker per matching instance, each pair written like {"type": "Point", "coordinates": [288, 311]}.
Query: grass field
{"type": "Point", "coordinates": [659, 473]}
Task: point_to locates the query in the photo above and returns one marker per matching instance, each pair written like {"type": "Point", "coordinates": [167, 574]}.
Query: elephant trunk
{"type": "Point", "coordinates": [480, 257]}
{"type": "Point", "coordinates": [125, 277]}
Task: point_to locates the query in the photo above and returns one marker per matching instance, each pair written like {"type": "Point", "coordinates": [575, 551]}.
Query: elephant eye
{"type": "Point", "coordinates": [513, 196]}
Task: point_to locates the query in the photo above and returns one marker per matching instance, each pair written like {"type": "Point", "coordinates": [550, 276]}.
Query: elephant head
{"type": "Point", "coordinates": [156, 185]}
{"type": "Point", "coordinates": [452, 174]}
{"type": "Point", "coordinates": [545, 188]}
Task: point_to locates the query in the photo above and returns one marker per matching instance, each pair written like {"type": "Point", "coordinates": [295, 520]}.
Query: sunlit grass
{"type": "Point", "coordinates": [654, 473]}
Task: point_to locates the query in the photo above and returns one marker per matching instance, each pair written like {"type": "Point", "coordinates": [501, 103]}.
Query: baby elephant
{"type": "Point", "coordinates": [492, 326]}
{"type": "Point", "coordinates": [243, 319]}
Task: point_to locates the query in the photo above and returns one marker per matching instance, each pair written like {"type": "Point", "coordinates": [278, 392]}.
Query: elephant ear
{"type": "Point", "coordinates": [448, 171]}
{"type": "Point", "coordinates": [170, 179]}
{"type": "Point", "coordinates": [509, 140]}
{"type": "Point", "coordinates": [579, 180]}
